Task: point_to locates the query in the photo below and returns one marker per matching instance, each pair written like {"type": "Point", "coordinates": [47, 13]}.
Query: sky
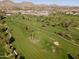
{"type": "Point", "coordinates": [58, 2]}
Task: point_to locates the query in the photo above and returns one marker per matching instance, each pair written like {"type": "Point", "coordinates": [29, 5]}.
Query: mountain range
{"type": "Point", "coordinates": [10, 5]}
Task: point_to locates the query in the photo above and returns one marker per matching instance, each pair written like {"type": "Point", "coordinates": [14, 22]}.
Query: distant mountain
{"type": "Point", "coordinates": [25, 5]}
{"type": "Point", "coordinates": [8, 4]}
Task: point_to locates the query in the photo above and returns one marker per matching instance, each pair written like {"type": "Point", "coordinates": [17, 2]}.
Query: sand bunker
{"type": "Point", "coordinates": [56, 43]}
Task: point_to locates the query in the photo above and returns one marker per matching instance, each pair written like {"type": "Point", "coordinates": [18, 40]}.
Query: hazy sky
{"type": "Point", "coordinates": [58, 2]}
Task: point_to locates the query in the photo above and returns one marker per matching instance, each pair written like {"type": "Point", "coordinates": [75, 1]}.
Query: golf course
{"type": "Point", "coordinates": [45, 37]}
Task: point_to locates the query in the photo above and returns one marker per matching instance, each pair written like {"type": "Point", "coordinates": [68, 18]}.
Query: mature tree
{"type": "Point", "coordinates": [69, 56]}
{"type": "Point", "coordinates": [22, 57]}
{"type": "Point", "coordinates": [12, 39]}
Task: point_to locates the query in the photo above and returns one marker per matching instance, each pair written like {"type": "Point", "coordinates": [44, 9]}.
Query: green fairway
{"type": "Point", "coordinates": [36, 36]}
